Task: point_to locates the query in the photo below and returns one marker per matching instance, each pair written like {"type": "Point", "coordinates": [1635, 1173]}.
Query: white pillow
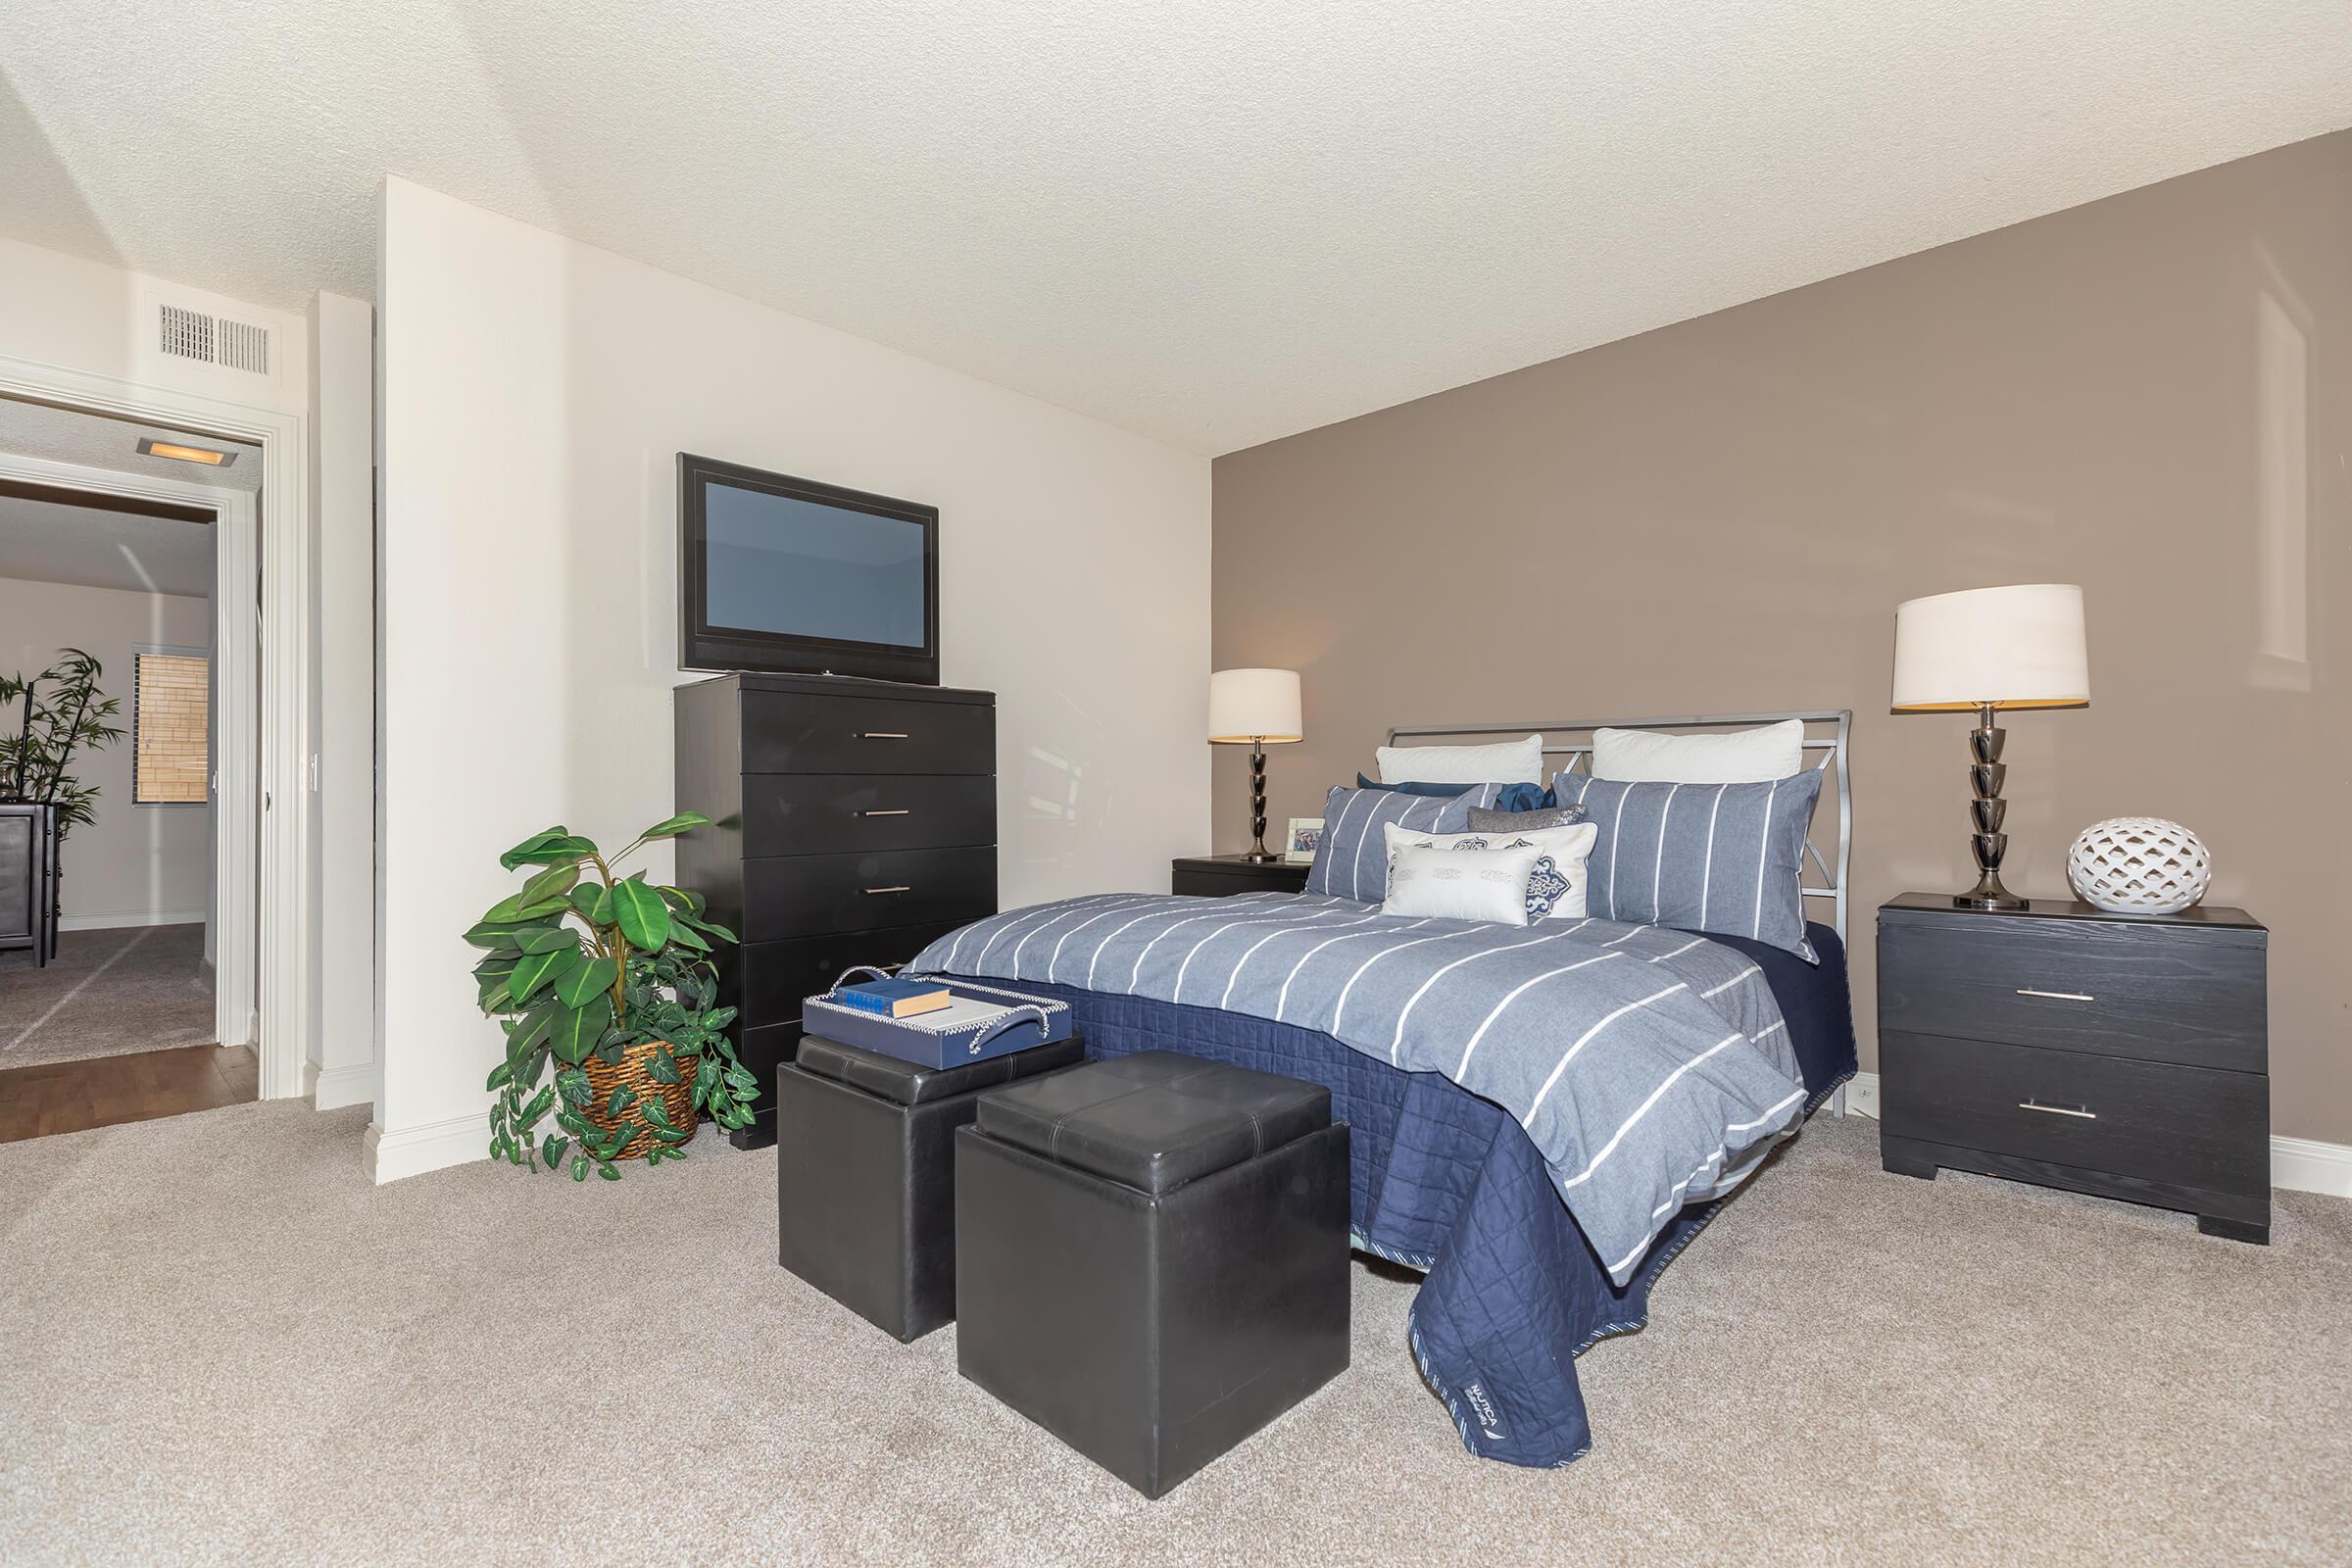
{"type": "Point", "coordinates": [1569, 849]}
{"type": "Point", "coordinates": [1489, 885]}
{"type": "Point", "coordinates": [1504, 763]}
{"type": "Point", "coordinates": [1742, 756]}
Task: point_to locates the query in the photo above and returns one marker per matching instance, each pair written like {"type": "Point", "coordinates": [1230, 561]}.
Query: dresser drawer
{"type": "Point", "coordinates": [776, 976]}
{"type": "Point", "coordinates": [821, 895]}
{"type": "Point", "coordinates": [796, 733]}
{"type": "Point", "coordinates": [2180, 1126]}
{"type": "Point", "coordinates": [834, 813]}
{"type": "Point", "coordinates": [2146, 991]}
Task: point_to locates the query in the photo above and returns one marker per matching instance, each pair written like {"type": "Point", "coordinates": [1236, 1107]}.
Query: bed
{"type": "Point", "coordinates": [1542, 1123]}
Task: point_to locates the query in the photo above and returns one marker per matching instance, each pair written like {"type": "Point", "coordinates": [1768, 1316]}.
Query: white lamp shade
{"type": "Point", "coordinates": [2015, 647]}
{"type": "Point", "coordinates": [1253, 705]}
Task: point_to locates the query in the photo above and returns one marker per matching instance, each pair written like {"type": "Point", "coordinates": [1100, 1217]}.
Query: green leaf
{"type": "Point", "coordinates": [593, 902]}
{"type": "Point", "coordinates": [499, 936]}
{"type": "Point", "coordinates": [565, 849]}
{"type": "Point", "coordinates": [535, 970]}
{"type": "Point", "coordinates": [606, 1171]}
{"type": "Point", "coordinates": [577, 1028]}
{"type": "Point", "coordinates": [685, 901]}
{"type": "Point", "coordinates": [685, 936]}
{"type": "Point", "coordinates": [551, 1153]}
{"type": "Point", "coordinates": [657, 1116]}
{"type": "Point", "coordinates": [536, 1109]}
{"type": "Point", "coordinates": [545, 938]}
{"type": "Point", "coordinates": [552, 883]}
{"type": "Point", "coordinates": [596, 975]}
{"type": "Point", "coordinates": [491, 993]}
{"type": "Point", "coordinates": [522, 854]}
{"type": "Point", "coordinates": [532, 1027]}
{"type": "Point", "coordinates": [572, 1084]}
{"type": "Point", "coordinates": [664, 1069]}
{"type": "Point", "coordinates": [620, 1099]}
{"type": "Point", "coordinates": [499, 1075]}
{"type": "Point", "coordinates": [714, 928]}
{"type": "Point", "coordinates": [644, 918]}
{"type": "Point", "coordinates": [579, 1167]}
{"type": "Point", "coordinates": [671, 827]}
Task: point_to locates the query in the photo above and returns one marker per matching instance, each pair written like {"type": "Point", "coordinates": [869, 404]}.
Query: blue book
{"type": "Point", "coordinates": [894, 998]}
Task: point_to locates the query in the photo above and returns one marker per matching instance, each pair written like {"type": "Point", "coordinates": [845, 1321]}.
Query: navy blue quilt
{"type": "Point", "coordinates": [1449, 1184]}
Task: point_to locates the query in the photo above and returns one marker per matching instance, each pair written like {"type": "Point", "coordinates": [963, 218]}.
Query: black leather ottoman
{"type": "Point", "coordinates": [1151, 1256]}
{"type": "Point", "coordinates": [866, 1173]}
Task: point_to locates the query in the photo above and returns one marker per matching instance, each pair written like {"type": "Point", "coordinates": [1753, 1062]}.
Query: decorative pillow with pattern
{"type": "Point", "coordinates": [1555, 889]}
{"type": "Point", "coordinates": [1511, 820]}
{"type": "Point", "coordinates": [1352, 860]}
{"type": "Point", "coordinates": [1723, 858]}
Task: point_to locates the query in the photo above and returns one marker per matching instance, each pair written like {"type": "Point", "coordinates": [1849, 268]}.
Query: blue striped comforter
{"type": "Point", "coordinates": [1649, 1067]}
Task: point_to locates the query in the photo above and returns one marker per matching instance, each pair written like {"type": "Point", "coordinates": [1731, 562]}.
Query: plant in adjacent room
{"type": "Point", "coordinates": [608, 979]}
{"type": "Point", "coordinates": [62, 713]}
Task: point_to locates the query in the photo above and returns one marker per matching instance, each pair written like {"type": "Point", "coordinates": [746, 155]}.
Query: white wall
{"type": "Point", "coordinates": [534, 394]}
{"type": "Point", "coordinates": [342, 430]}
{"type": "Point", "coordinates": [132, 864]}
{"type": "Point", "coordinates": [99, 319]}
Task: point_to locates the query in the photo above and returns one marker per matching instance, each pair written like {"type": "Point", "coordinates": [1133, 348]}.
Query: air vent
{"type": "Point", "coordinates": [214, 340]}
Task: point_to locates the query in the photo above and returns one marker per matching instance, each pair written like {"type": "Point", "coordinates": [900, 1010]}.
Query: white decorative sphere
{"type": "Point", "coordinates": [2138, 866]}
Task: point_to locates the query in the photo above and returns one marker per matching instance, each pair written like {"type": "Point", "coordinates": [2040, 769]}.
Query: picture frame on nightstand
{"type": "Point", "coordinates": [1305, 838]}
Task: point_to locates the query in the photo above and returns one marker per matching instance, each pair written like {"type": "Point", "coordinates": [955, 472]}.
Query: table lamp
{"type": "Point", "coordinates": [1987, 648]}
{"type": "Point", "coordinates": [1257, 709]}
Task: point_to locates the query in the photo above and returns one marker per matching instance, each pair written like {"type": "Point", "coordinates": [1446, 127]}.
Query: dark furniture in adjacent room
{"type": "Point", "coordinates": [1151, 1256]}
{"type": "Point", "coordinates": [866, 1173]}
{"type": "Point", "coordinates": [2122, 1054]}
{"type": "Point", "coordinates": [855, 822]}
{"type": "Point", "coordinates": [1213, 876]}
{"type": "Point", "coordinates": [29, 878]}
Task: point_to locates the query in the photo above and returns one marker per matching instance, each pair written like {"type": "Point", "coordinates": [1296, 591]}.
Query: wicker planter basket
{"type": "Point", "coordinates": [636, 1069]}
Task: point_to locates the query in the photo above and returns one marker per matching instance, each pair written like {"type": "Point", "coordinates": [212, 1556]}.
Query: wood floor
{"type": "Point", "coordinates": [71, 1097]}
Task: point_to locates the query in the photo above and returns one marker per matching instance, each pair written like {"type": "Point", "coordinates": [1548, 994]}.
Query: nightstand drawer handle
{"type": "Point", "coordinates": [2084, 1111]}
{"type": "Point", "coordinates": [901, 810]}
{"type": "Point", "coordinates": [890, 889]}
{"type": "Point", "coordinates": [2057, 996]}
{"type": "Point", "coordinates": [882, 735]}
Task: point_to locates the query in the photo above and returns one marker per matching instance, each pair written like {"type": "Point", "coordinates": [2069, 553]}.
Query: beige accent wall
{"type": "Point", "coordinates": [2150, 395]}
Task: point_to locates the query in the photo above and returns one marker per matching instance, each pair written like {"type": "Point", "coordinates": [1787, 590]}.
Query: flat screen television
{"type": "Point", "coordinates": [784, 574]}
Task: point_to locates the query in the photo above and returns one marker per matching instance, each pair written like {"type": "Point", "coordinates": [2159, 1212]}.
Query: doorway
{"type": "Point", "coordinates": [144, 537]}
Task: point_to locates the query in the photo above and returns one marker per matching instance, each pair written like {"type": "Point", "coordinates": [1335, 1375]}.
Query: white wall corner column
{"type": "Point", "coordinates": [528, 545]}
{"type": "Point", "coordinates": [342, 1035]}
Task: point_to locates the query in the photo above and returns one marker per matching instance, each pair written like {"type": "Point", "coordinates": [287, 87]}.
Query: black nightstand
{"type": "Point", "coordinates": [1213, 876]}
{"type": "Point", "coordinates": [2122, 1054]}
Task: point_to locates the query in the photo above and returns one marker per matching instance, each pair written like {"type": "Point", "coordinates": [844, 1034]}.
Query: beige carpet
{"type": "Point", "coordinates": [222, 1346]}
{"type": "Point", "coordinates": [106, 994]}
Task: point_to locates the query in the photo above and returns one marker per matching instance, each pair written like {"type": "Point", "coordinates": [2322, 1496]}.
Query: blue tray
{"type": "Point", "coordinates": [1035, 1021]}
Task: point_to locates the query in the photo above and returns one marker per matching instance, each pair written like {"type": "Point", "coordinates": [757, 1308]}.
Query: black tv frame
{"type": "Point", "coordinates": [702, 646]}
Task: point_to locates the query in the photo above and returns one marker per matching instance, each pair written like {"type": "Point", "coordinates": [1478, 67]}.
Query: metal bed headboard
{"type": "Point", "coordinates": [1833, 746]}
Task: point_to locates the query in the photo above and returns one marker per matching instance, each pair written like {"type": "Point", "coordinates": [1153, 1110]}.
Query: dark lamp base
{"type": "Point", "coordinates": [1262, 858]}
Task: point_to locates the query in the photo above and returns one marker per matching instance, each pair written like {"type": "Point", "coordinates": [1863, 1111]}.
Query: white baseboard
{"type": "Point", "coordinates": [124, 920]}
{"type": "Point", "coordinates": [2298, 1164]}
{"type": "Point", "coordinates": [391, 1157]}
{"type": "Point", "coordinates": [334, 1087]}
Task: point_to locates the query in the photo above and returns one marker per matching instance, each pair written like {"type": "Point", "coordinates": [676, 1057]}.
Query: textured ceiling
{"type": "Point", "coordinates": [48, 541]}
{"type": "Point", "coordinates": [1216, 223]}
{"type": "Point", "coordinates": [94, 441]}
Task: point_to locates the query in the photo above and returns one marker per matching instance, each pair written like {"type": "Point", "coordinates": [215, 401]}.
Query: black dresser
{"type": "Point", "coordinates": [854, 823]}
{"type": "Point", "coordinates": [2122, 1054]}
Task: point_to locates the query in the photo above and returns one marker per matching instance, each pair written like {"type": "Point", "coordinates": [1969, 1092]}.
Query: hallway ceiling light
{"type": "Point", "coordinates": [204, 454]}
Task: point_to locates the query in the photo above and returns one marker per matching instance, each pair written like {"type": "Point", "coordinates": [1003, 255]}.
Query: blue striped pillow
{"type": "Point", "coordinates": [1354, 860]}
{"type": "Point", "coordinates": [1723, 858]}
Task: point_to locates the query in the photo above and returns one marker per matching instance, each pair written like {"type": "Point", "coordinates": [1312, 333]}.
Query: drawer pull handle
{"type": "Point", "coordinates": [2084, 1111]}
{"type": "Point", "coordinates": [882, 735]}
{"type": "Point", "coordinates": [890, 889]}
{"type": "Point", "coordinates": [900, 810]}
{"type": "Point", "coordinates": [2056, 995]}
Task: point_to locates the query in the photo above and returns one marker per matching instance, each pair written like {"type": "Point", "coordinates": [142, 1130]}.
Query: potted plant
{"type": "Point", "coordinates": [69, 717]}
{"type": "Point", "coordinates": [608, 979]}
